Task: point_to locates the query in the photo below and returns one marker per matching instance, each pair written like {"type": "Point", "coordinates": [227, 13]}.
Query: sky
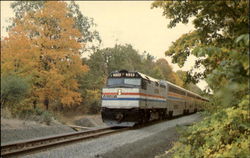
{"type": "Point", "coordinates": [132, 22]}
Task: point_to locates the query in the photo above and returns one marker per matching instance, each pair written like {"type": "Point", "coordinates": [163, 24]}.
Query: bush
{"type": "Point", "coordinates": [46, 117]}
{"type": "Point", "coordinates": [13, 89]}
{"type": "Point", "coordinates": [92, 101]}
{"type": "Point", "coordinates": [6, 113]}
{"type": "Point", "coordinates": [222, 134]}
{"type": "Point", "coordinates": [36, 114]}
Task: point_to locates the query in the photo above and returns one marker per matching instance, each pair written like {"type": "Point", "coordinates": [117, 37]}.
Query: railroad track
{"type": "Point", "coordinates": [34, 145]}
{"type": "Point", "coordinates": [28, 146]}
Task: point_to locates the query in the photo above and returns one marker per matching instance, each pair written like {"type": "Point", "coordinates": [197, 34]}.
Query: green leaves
{"type": "Point", "coordinates": [182, 48]}
{"type": "Point", "coordinates": [222, 134]}
{"type": "Point", "coordinates": [13, 89]}
{"type": "Point", "coordinates": [243, 38]}
{"type": "Point", "coordinates": [85, 25]}
{"type": "Point", "coordinates": [220, 41]}
{"type": "Point", "coordinates": [177, 11]}
{"type": "Point", "coordinates": [205, 51]}
{"type": "Point", "coordinates": [221, 28]}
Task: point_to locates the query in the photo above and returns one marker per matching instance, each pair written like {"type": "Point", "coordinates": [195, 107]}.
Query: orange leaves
{"type": "Point", "coordinates": [71, 98]}
{"type": "Point", "coordinates": [54, 9]}
{"type": "Point", "coordinates": [43, 45]}
{"type": "Point", "coordinates": [17, 54]}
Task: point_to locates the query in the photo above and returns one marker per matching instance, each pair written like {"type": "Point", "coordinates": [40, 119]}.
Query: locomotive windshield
{"type": "Point", "coordinates": [124, 82]}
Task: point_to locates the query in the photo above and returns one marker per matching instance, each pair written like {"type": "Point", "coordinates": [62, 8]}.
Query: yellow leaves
{"type": "Point", "coordinates": [228, 147]}
{"type": "Point", "coordinates": [70, 98]}
{"type": "Point", "coordinates": [245, 144]}
{"type": "Point", "coordinates": [43, 45]}
{"type": "Point", "coordinates": [223, 134]}
{"type": "Point", "coordinates": [55, 9]}
{"type": "Point", "coordinates": [18, 55]}
{"type": "Point", "coordinates": [207, 152]}
{"type": "Point", "coordinates": [85, 68]}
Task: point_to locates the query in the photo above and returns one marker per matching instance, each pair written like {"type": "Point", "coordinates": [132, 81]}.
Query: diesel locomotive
{"type": "Point", "coordinates": [131, 98]}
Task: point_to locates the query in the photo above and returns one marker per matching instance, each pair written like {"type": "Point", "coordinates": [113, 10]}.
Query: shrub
{"type": "Point", "coordinates": [46, 117]}
{"type": "Point", "coordinates": [36, 114]}
{"type": "Point", "coordinates": [13, 89]}
{"type": "Point", "coordinates": [6, 113]}
{"type": "Point", "coordinates": [224, 133]}
{"type": "Point", "coordinates": [92, 101]}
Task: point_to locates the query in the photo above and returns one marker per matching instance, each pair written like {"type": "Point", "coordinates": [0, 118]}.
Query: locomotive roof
{"type": "Point", "coordinates": [148, 77]}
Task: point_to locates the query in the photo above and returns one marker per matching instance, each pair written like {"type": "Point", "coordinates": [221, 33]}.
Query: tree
{"type": "Point", "coordinates": [48, 40]}
{"type": "Point", "coordinates": [148, 65]}
{"type": "Point", "coordinates": [217, 25]}
{"type": "Point", "coordinates": [89, 37]}
{"type": "Point", "coordinates": [119, 57]}
{"type": "Point", "coordinates": [85, 25]}
{"type": "Point", "coordinates": [168, 72]}
{"type": "Point", "coordinates": [220, 41]}
{"type": "Point", "coordinates": [188, 85]}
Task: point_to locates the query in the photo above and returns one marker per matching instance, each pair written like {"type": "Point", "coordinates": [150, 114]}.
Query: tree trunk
{"type": "Point", "coordinates": [34, 104]}
{"type": "Point", "coordinates": [46, 103]}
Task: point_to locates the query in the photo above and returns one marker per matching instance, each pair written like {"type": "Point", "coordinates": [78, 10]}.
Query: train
{"type": "Point", "coordinates": [130, 98]}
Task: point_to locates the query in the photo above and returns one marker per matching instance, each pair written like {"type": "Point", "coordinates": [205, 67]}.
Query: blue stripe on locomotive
{"type": "Point", "coordinates": [142, 99]}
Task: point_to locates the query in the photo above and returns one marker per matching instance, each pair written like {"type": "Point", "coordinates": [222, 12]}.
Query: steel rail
{"type": "Point", "coordinates": [27, 146]}
{"type": "Point", "coordinates": [22, 147]}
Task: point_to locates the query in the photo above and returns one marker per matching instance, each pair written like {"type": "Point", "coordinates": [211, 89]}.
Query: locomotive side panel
{"type": "Point", "coordinates": [177, 99]}
{"type": "Point", "coordinates": [154, 97]}
{"type": "Point", "coordinates": [191, 102]}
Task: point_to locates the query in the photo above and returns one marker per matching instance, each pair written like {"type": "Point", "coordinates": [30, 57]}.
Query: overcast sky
{"type": "Point", "coordinates": [133, 22]}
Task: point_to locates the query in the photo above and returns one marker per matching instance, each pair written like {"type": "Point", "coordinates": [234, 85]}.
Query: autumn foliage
{"type": "Point", "coordinates": [43, 45]}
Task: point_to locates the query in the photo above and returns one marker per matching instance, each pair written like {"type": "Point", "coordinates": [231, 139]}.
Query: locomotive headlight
{"type": "Point", "coordinates": [119, 91]}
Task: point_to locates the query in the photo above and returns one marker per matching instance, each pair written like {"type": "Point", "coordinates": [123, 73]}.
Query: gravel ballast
{"type": "Point", "coordinates": [13, 130]}
{"type": "Point", "coordinates": [137, 143]}
{"type": "Point", "coordinates": [16, 130]}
